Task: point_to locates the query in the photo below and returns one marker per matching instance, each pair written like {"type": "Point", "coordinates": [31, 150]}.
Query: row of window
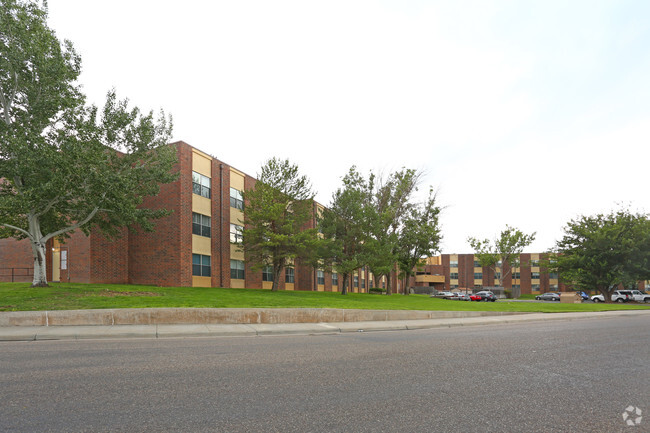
{"type": "Point", "coordinates": [201, 267]}
{"type": "Point", "coordinates": [201, 185]}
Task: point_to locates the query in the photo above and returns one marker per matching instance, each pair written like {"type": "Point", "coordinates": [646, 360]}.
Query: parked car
{"type": "Point", "coordinates": [636, 295]}
{"type": "Point", "coordinates": [584, 296]}
{"type": "Point", "coordinates": [617, 296]}
{"type": "Point", "coordinates": [549, 296]}
{"type": "Point", "coordinates": [483, 295]}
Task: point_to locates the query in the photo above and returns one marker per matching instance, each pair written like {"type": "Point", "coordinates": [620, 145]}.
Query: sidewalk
{"type": "Point", "coordinates": [173, 330]}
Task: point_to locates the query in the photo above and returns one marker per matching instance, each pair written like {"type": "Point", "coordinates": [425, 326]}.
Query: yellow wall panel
{"type": "Point", "coordinates": [268, 285]}
{"type": "Point", "coordinates": [237, 284]}
{"type": "Point", "coordinates": [236, 179]}
{"type": "Point", "coordinates": [235, 252]}
{"type": "Point", "coordinates": [201, 163]}
{"type": "Point", "coordinates": [201, 205]}
{"type": "Point", "coordinates": [201, 281]}
{"type": "Point", "coordinates": [236, 216]}
{"type": "Point", "coordinates": [288, 286]}
{"type": "Point", "coordinates": [201, 245]}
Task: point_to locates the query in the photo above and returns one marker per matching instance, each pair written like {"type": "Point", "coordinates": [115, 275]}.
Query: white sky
{"type": "Point", "coordinates": [526, 113]}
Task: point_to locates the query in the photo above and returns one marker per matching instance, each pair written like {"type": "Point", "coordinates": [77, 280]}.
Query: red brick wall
{"type": "Point", "coordinates": [164, 257]}
{"type": "Point", "coordinates": [109, 258]}
{"type": "Point", "coordinates": [15, 254]}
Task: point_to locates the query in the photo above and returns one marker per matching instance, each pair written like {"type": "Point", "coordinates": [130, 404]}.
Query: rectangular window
{"type": "Point", "coordinates": [320, 277]}
{"type": "Point", "coordinates": [200, 185]}
{"type": "Point", "coordinates": [534, 263]}
{"type": "Point", "coordinates": [363, 283]}
{"type": "Point", "coordinates": [453, 276]}
{"type": "Point", "coordinates": [516, 275]}
{"type": "Point", "coordinates": [535, 287]}
{"type": "Point", "coordinates": [236, 199]}
{"type": "Point", "coordinates": [289, 276]}
{"type": "Point", "coordinates": [477, 264]}
{"type": "Point", "coordinates": [201, 225]}
{"type": "Point", "coordinates": [478, 275]}
{"type": "Point", "coordinates": [201, 266]}
{"type": "Point", "coordinates": [236, 233]}
{"type": "Point", "coordinates": [237, 269]}
{"type": "Point", "coordinates": [534, 275]}
{"type": "Point", "coordinates": [335, 279]}
{"type": "Point", "coordinates": [356, 281]}
{"type": "Point", "coordinates": [553, 275]}
{"type": "Point", "coordinates": [453, 264]}
{"type": "Point", "coordinates": [267, 273]}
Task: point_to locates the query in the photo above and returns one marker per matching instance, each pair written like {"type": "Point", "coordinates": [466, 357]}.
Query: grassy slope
{"type": "Point", "coordinates": [64, 296]}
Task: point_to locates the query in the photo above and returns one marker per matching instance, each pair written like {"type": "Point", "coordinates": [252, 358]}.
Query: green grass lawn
{"type": "Point", "coordinates": [68, 296]}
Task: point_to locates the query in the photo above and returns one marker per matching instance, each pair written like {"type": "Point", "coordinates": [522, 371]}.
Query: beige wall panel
{"type": "Point", "coordinates": [320, 288]}
{"type": "Point", "coordinates": [235, 252]}
{"type": "Point", "coordinates": [201, 205]}
{"type": "Point", "coordinates": [236, 216]}
{"type": "Point", "coordinates": [201, 245]}
{"type": "Point", "coordinates": [237, 284]}
{"type": "Point", "coordinates": [478, 282]}
{"type": "Point", "coordinates": [201, 163]}
{"type": "Point", "coordinates": [267, 285]}
{"type": "Point", "coordinates": [236, 179]}
{"type": "Point", "coordinates": [201, 281]}
{"type": "Point", "coordinates": [288, 286]}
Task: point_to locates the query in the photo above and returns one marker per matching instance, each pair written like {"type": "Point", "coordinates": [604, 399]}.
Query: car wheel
{"type": "Point", "coordinates": [596, 300]}
{"type": "Point", "coordinates": [621, 300]}
{"type": "Point", "coordinates": [537, 298]}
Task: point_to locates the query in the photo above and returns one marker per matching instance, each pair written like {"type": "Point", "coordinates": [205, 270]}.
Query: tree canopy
{"type": "Point", "coordinates": [505, 249]}
{"type": "Point", "coordinates": [604, 250]}
{"type": "Point", "coordinates": [276, 222]}
{"type": "Point", "coordinates": [65, 165]}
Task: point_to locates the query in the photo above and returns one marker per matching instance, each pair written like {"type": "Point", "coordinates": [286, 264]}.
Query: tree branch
{"type": "Point", "coordinates": [72, 227]}
{"type": "Point", "coordinates": [25, 232]}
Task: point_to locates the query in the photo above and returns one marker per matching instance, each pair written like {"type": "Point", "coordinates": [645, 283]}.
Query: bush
{"type": "Point", "coordinates": [377, 290]}
{"type": "Point", "coordinates": [508, 293]}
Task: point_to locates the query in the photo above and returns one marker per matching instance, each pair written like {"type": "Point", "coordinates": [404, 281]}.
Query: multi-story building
{"type": "Point", "coordinates": [455, 271]}
{"type": "Point", "coordinates": [195, 245]}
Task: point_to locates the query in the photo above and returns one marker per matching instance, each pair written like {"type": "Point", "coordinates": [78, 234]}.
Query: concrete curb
{"type": "Point", "coordinates": [79, 332]}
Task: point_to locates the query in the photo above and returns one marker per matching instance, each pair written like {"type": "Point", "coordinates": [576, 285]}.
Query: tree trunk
{"type": "Point", "coordinates": [277, 270]}
{"type": "Point", "coordinates": [40, 265]}
{"type": "Point", "coordinates": [344, 288]}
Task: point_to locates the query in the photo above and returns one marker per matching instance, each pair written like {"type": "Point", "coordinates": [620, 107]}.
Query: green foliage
{"type": "Point", "coordinates": [63, 165]}
{"type": "Point", "coordinates": [604, 250]}
{"type": "Point", "coordinates": [343, 225]}
{"type": "Point", "coordinates": [278, 211]}
{"type": "Point", "coordinates": [503, 253]}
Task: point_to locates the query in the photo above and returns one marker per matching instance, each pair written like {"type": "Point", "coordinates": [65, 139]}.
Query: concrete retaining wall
{"type": "Point", "coordinates": [177, 316]}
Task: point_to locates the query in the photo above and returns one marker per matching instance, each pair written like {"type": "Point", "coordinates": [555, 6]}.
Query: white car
{"type": "Point", "coordinates": [617, 296]}
{"type": "Point", "coordinates": [638, 295]}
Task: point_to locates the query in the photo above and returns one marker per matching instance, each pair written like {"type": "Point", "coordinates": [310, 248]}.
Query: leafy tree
{"type": "Point", "coordinates": [343, 225]}
{"type": "Point", "coordinates": [391, 206]}
{"type": "Point", "coordinates": [505, 249]}
{"type": "Point", "coordinates": [420, 236]}
{"type": "Point", "coordinates": [278, 210]}
{"type": "Point", "coordinates": [63, 166]}
{"type": "Point", "coordinates": [604, 250]}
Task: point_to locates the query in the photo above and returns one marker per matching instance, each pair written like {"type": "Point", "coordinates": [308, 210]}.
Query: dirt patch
{"type": "Point", "coordinates": [113, 293]}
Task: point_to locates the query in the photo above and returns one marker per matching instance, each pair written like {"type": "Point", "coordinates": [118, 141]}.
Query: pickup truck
{"type": "Point", "coordinates": [617, 296]}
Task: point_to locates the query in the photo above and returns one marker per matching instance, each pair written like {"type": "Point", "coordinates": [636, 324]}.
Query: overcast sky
{"type": "Point", "coordinates": [526, 113]}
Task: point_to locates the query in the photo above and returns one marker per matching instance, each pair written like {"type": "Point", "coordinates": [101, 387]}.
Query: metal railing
{"type": "Point", "coordinates": [16, 274]}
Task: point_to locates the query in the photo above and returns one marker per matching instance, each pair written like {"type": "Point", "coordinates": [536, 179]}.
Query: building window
{"type": "Point", "coordinates": [236, 233]}
{"type": "Point", "coordinates": [363, 283]}
{"type": "Point", "coordinates": [201, 266]}
{"type": "Point", "coordinates": [516, 286]}
{"type": "Point", "coordinates": [453, 264]}
{"type": "Point", "coordinates": [497, 275]}
{"type": "Point", "coordinates": [534, 263]}
{"type": "Point", "coordinates": [477, 264]}
{"type": "Point", "coordinates": [356, 281]}
{"type": "Point", "coordinates": [553, 287]}
{"type": "Point", "coordinates": [289, 276]}
{"type": "Point", "coordinates": [516, 275]}
{"type": "Point", "coordinates": [267, 273]}
{"type": "Point", "coordinates": [535, 287]}
{"type": "Point", "coordinates": [478, 275]}
{"type": "Point", "coordinates": [236, 199]}
{"type": "Point", "coordinates": [237, 269]}
{"type": "Point", "coordinates": [335, 279]}
{"type": "Point", "coordinates": [201, 225]}
{"type": "Point", "coordinates": [320, 277]}
{"type": "Point", "coordinates": [534, 275]}
{"type": "Point", "coordinates": [553, 275]}
{"type": "Point", "coordinates": [200, 185]}
{"type": "Point", "coordinates": [453, 276]}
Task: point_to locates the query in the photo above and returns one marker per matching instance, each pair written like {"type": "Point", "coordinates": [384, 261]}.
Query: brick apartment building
{"type": "Point", "coordinates": [195, 246]}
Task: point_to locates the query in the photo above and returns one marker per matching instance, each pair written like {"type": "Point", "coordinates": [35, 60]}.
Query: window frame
{"type": "Point", "coordinates": [200, 226]}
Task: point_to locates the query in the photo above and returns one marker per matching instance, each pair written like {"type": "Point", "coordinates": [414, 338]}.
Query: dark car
{"type": "Point", "coordinates": [483, 295]}
{"type": "Point", "coordinates": [549, 296]}
{"type": "Point", "coordinates": [584, 296]}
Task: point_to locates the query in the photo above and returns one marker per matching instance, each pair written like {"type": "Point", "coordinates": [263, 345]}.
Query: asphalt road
{"type": "Point", "coordinates": [561, 376]}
